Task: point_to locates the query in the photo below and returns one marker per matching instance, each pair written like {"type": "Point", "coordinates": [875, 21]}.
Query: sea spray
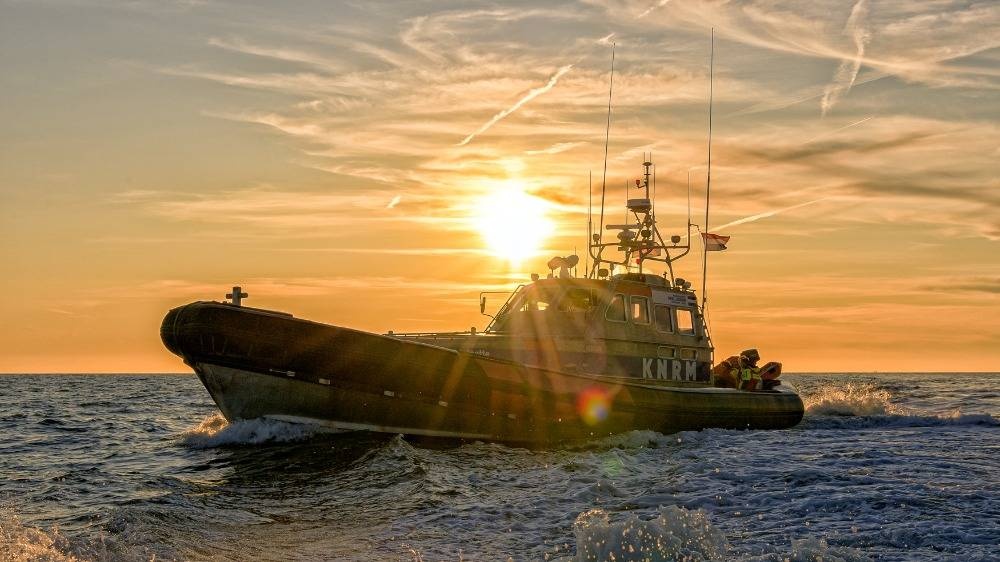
{"type": "Point", "coordinates": [21, 543]}
{"type": "Point", "coordinates": [674, 534]}
{"type": "Point", "coordinates": [851, 400]}
{"type": "Point", "coordinates": [682, 535]}
{"type": "Point", "coordinates": [864, 405]}
{"type": "Point", "coordinates": [215, 431]}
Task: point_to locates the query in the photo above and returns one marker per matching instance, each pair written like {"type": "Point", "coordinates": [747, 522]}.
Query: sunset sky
{"type": "Point", "coordinates": [355, 163]}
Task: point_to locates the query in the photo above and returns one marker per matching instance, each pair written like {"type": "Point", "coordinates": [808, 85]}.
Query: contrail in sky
{"type": "Point", "coordinates": [847, 72]}
{"type": "Point", "coordinates": [659, 4]}
{"type": "Point", "coordinates": [534, 93]}
{"type": "Point", "coordinates": [848, 126]}
{"type": "Point", "coordinates": [767, 214]}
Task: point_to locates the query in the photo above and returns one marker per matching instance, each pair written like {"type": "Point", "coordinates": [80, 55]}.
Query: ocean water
{"type": "Point", "coordinates": [883, 467]}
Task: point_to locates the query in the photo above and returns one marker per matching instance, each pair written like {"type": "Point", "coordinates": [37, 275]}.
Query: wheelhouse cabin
{"type": "Point", "coordinates": [633, 325]}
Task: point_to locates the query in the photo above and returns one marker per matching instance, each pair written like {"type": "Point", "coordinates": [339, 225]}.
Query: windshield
{"type": "Point", "coordinates": [536, 298]}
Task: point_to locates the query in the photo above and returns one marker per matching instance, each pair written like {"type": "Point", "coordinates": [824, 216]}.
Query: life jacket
{"type": "Point", "coordinates": [748, 374]}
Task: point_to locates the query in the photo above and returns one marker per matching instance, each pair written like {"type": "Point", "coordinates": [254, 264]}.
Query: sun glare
{"type": "Point", "coordinates": [513, 224]}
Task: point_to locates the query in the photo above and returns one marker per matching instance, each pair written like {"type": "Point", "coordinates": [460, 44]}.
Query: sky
{"type": "Point", "coordinates": [364, 164]}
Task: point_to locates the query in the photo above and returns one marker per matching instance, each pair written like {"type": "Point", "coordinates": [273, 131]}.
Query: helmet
{"type": "Point", "coordinates": [751, 355]}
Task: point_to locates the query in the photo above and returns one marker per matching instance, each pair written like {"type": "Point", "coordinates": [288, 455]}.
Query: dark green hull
{"type": "Point", "coordinates": [264, 364]}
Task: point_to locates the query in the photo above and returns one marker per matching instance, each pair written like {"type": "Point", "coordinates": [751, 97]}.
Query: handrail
{"type": "Point", "coordinates": [503, 309]}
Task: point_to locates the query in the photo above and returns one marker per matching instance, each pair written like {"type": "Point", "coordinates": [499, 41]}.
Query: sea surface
{"type": "Point", "coordinates": [130, 467]}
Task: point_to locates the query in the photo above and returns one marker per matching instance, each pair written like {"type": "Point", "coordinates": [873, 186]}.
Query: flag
{"type": "Point", "coordinates": [714, 242]}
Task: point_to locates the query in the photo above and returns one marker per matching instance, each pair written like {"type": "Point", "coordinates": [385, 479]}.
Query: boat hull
{"type": "Point", "coordinates": [263, 364]}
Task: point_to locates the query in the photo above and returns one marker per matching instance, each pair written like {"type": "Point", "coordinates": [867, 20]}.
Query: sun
{"type": "Point", "coordinates": [513, 223]}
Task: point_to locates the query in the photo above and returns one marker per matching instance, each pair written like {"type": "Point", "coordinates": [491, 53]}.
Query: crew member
{"type": "Point", "coordinates": [748, 376]}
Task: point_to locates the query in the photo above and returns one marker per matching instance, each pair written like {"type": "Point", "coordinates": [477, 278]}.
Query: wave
{"type": "Point", "coordinates": [215, 431]}
{"type": "Point", "coordinates": [867, 405]}
{"type": "Point", "coordinates": [861, 422]}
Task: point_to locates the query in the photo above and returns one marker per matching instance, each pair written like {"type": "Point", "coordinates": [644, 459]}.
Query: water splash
{"type": "Point", "coordinates": [852, 399]}
{"type": "Point", "coordinates": [21, 543]}
{"type": "Point", "coordinates": [857, 405]}
{"type": "Point", "coordinates": [678, 534]}
{"type": "Point", "coordinates": [215, 431]}
{"type": "Point", "coordinates": [674, 534]}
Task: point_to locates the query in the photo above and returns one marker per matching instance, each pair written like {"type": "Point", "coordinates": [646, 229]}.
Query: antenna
{"type": "Point", "coordinates": [607, 136]}
{"type": "Point", "coordinates": [590, 219]}
{"type": "Point", "coordinates": [689, 208]}
{"type": "Point", "coordinates": [708, 178]}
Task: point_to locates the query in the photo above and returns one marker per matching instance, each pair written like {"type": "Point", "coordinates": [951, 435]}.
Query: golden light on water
{"type": "Point", "coordinates": [513, 224]}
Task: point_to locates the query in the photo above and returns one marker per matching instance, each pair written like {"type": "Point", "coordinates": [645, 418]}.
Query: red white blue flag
{"type": "Point", "coordinates": [714, 242]}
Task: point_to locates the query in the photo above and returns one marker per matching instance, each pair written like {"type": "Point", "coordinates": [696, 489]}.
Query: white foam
{"type": "Point", "coordinates": [21, 543]}
{"type": "Point", "coordinates": [866, 405]}
{"type": "Point", "coordinates": [817, 550]}
{"type": "Point", "coordinates": [851, 400]}
{"type": "Point", "coordinates": [674, 534]}
{"type": "Point", "coordinates": [678, 534]}
{"type": "Point", "coordinates": [215, 431]}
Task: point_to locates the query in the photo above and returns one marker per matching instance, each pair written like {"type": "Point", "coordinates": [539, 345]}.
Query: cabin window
{"type": "Point", "coordinates": [640, 310]}
{"type": "Point", "coordinates": [661, 314]}
{"type": "Point", "coordinates": [664, 352]}
{"type": "Point", "coordinates": [534, 300]}
{"type": "Point", "coordinates": [685, 321]}
{"type": "Point", "coordinates": [578, 300]}
{"type": "Point", "coordinates": [616, 310]}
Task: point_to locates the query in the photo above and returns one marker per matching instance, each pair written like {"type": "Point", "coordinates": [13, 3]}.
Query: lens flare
{"type": "Point", "coordinates": [593, 405]}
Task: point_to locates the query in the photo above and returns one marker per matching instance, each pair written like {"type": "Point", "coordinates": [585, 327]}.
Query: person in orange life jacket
{"type": "Point", "coordinates": [748, 374]}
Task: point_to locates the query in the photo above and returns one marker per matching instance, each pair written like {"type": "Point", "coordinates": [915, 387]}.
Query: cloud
{"type": "Point", "coordinates": [285, 54]}
{"type": "Point", "coordinates": [847, 72]}
{"type": "Point", "coordinates": [917, 43]}
{"type": "Point", "coordinates": [658, 4]}
{"type": "Point", "coordinates": [532, 94]}
{"type": "Point", "coordinates": [976, 285]}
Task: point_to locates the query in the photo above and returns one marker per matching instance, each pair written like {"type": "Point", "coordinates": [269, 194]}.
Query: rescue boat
{"type": "Point", "coordinates": [565, 358]}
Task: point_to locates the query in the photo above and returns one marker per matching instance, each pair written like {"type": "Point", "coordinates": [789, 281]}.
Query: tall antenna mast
{"type": "Point", "coordinates": [607, 137]}
{"type": "Point", "coordinates": [590, 220]}
{"type": "Point", "coordinates": [689, 207]}
{"type": "Point", "coordinates": [708, 178]}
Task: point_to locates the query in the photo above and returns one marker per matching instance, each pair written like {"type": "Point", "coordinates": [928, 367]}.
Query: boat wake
{"type": "Point", "coordinates": [856, 406]}
{"type": "Point", "coordinates": [215, 431]}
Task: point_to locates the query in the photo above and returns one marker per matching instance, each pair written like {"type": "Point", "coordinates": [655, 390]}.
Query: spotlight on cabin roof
{"type": "Point", "coordinates": [679, 282]}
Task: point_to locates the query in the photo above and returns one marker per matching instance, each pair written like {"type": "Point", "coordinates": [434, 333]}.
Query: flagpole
{"type": "Point", "coordinates": [708, 179]}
